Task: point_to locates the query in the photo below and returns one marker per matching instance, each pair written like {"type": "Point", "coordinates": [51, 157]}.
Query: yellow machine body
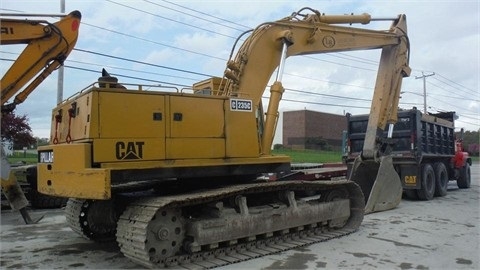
{"type": "Point", "coordinates": [169, 133]}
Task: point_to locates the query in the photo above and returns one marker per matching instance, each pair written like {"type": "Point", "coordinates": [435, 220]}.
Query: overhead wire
{"type": "Point", "coordinates": [133, 70]}
{"type": "Point", "coordinates": [459, 96]}
{"type": "Point", "coordinates": [464, 88]}
{"type": "Point", "coordinates": [339, 55]}
{"type": "Point", "coordinates": [154, 42]}
{"type": "Point", "coordinates": [206, 14]}
{"type": "Point", "coordinates": [144, 63]}
{"type": "Point", "coordinates": [194, 16]}
{"type": "Point", "coordinates": [169, 19]}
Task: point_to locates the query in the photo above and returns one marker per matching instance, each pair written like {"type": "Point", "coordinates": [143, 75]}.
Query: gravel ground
{"type": "Point", "coordinates": [440, 234]}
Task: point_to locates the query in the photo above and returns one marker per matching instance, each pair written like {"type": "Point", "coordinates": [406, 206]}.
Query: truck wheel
{"type": "Point", "coordinates": [427, 190]}
{"type": "Point", "coordinates": [465, 176]}
{"type": "Point", "coordinates": [441, 179]}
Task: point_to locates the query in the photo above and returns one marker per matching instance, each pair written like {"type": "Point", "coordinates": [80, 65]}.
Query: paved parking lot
{"type": "Point", "coordinates": [440, 234]}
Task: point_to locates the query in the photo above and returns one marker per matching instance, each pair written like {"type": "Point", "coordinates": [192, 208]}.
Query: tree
{"type": "Point", "coordinates": [16, 129]}
{"type": "Point", "coordinates": [470, 139]}
{"type": "Point", "coordinates": [41, 141]}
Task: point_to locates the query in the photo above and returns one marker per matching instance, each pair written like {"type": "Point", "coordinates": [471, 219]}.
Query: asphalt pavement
{"type": "Point", "coordinates": [440, 234]}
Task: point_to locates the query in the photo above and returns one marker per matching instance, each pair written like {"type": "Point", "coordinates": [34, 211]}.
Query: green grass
{"type": "Point", "coordinates": [310, 156]}
{"type": "Point", "coordinates": [27, 158]}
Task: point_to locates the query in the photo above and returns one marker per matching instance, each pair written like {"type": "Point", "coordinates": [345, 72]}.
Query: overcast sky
{"type": "Point", "coordinates": [197, 36]}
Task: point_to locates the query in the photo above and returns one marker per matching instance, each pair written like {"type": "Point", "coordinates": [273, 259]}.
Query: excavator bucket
{"type": "Point", "coordinates": [13, 192]}
{"type": "Point", "coordinates": [379, 182]}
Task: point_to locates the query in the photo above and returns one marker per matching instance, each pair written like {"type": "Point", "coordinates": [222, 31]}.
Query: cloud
{"type": "Point", "coordinates": [444, 38]}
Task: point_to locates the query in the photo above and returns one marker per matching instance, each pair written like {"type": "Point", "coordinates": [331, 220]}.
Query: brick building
{"type": "Point", "coordinates": [311, 130]}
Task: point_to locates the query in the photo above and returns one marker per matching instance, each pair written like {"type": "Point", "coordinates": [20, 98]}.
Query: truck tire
{"type": "Point", "coordinates": [465, 177]}
{"type": "Point", "coordinates": [441, 179]}
{"type": "Point", "coordinates": [427, 190]}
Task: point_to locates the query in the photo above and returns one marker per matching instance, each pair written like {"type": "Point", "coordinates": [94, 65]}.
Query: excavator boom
{"type": "Point", "coordinates": [48, 45]}
{"type": "Point", "coordinates": [262, 53]}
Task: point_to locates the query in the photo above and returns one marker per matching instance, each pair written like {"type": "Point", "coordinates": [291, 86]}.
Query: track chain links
{"type": "Point", "coordinates": [133, 232]}
{"type": "Point", "coordinates": [100, 228]}
{"type": "Point", "coordinates": [72, 213]}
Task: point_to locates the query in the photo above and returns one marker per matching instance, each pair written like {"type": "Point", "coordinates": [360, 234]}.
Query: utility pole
{"type": "Point", "coordinates": [60, 69]}
{"type": "Point", "coordinates": [424, 89]}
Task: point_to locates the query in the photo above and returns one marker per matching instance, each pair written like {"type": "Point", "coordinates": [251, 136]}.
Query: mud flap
{"type": "Point", "coordinates": [379, 182]}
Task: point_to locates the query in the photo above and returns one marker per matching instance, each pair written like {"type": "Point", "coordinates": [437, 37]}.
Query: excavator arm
{"type": "Point", "coordinates": [268, 46]}
{"type": "Point", "coordinates": [48, 45]}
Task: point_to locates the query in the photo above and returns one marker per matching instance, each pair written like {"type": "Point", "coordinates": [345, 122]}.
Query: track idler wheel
{"type": "Point", "coordinates": [165, 234]}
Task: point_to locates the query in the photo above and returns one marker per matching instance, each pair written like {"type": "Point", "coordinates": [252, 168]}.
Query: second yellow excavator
{"type": "Point", "coordinates": [47, 46]}
{"type": "Point", "coordinates": [173, 175]}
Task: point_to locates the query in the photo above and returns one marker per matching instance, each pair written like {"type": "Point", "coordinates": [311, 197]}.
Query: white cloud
{"type": "Point", "coordinates": [444, 38]}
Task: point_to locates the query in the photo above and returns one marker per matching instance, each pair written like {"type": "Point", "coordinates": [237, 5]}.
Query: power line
{"type": "Point", "coordinates": [359, 59]}
{"type": "Point", "coordinates": [144, 63]}
{"type": "Point", "coordinates": [452, 105]}
{"type": "Point", "coordinates": [320, 103]}
{"type": "Point", "coordinates": [191, 72]}
{"type": "Point", "coordinates": [198, 17]}
{"type": "Point", "coordinates": [172, 20]}
{"type": "Point", "coordinates": [207, 14]}
{"type": "Point", "coordinates": [339, 54]}
{"type": "Point", "coordinates": [320, 80]}
{"type": "Point", "coordinates": [283, 99]}
{"type": "Point", "coordinates": [471, 91]}
{"type": "Point", "coordinates": [344, 56]}
{"type": "Point", "coordinates": [127, 76]}
{"type": "Point", "coordinates": [134, 70]}
{"type": "Point", "coordinates": [154, 42]}
{"type": "Point", "coordinates": [332, 62]}
{"type": "Point", "coordinates": [449, 91]}
{"type": "Point", "coordinates": [326, 95]}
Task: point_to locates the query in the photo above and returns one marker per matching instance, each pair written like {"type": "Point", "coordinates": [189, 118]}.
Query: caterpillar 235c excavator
{"type": "Point", "coordinates": [48, 45]}
{"type": "Point", "coordinates": [172, 175]}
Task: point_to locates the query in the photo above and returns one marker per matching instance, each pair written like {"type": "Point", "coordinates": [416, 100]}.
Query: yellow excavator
{"type": "Point", "coordinates": [172, 175]}
{"type": "Point", "coordinates": [47, 47]}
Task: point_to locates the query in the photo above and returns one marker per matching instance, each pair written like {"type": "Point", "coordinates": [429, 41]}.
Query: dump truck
{"type": "Point", "coordinates": [172, 174]}
{"type": "Point", "coordinates": [426, 154]}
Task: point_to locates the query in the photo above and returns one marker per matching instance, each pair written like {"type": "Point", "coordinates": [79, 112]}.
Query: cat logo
{"type": "Point", "coordinates": [411, 179]}
{"type": "Point", "coordinates": [129, 150]}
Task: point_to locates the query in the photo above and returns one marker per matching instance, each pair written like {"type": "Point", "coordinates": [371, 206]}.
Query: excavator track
{"type": "Point", "coordinates": [200, 230]}
{"type": "Point", "coordinates": [94, 220]}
